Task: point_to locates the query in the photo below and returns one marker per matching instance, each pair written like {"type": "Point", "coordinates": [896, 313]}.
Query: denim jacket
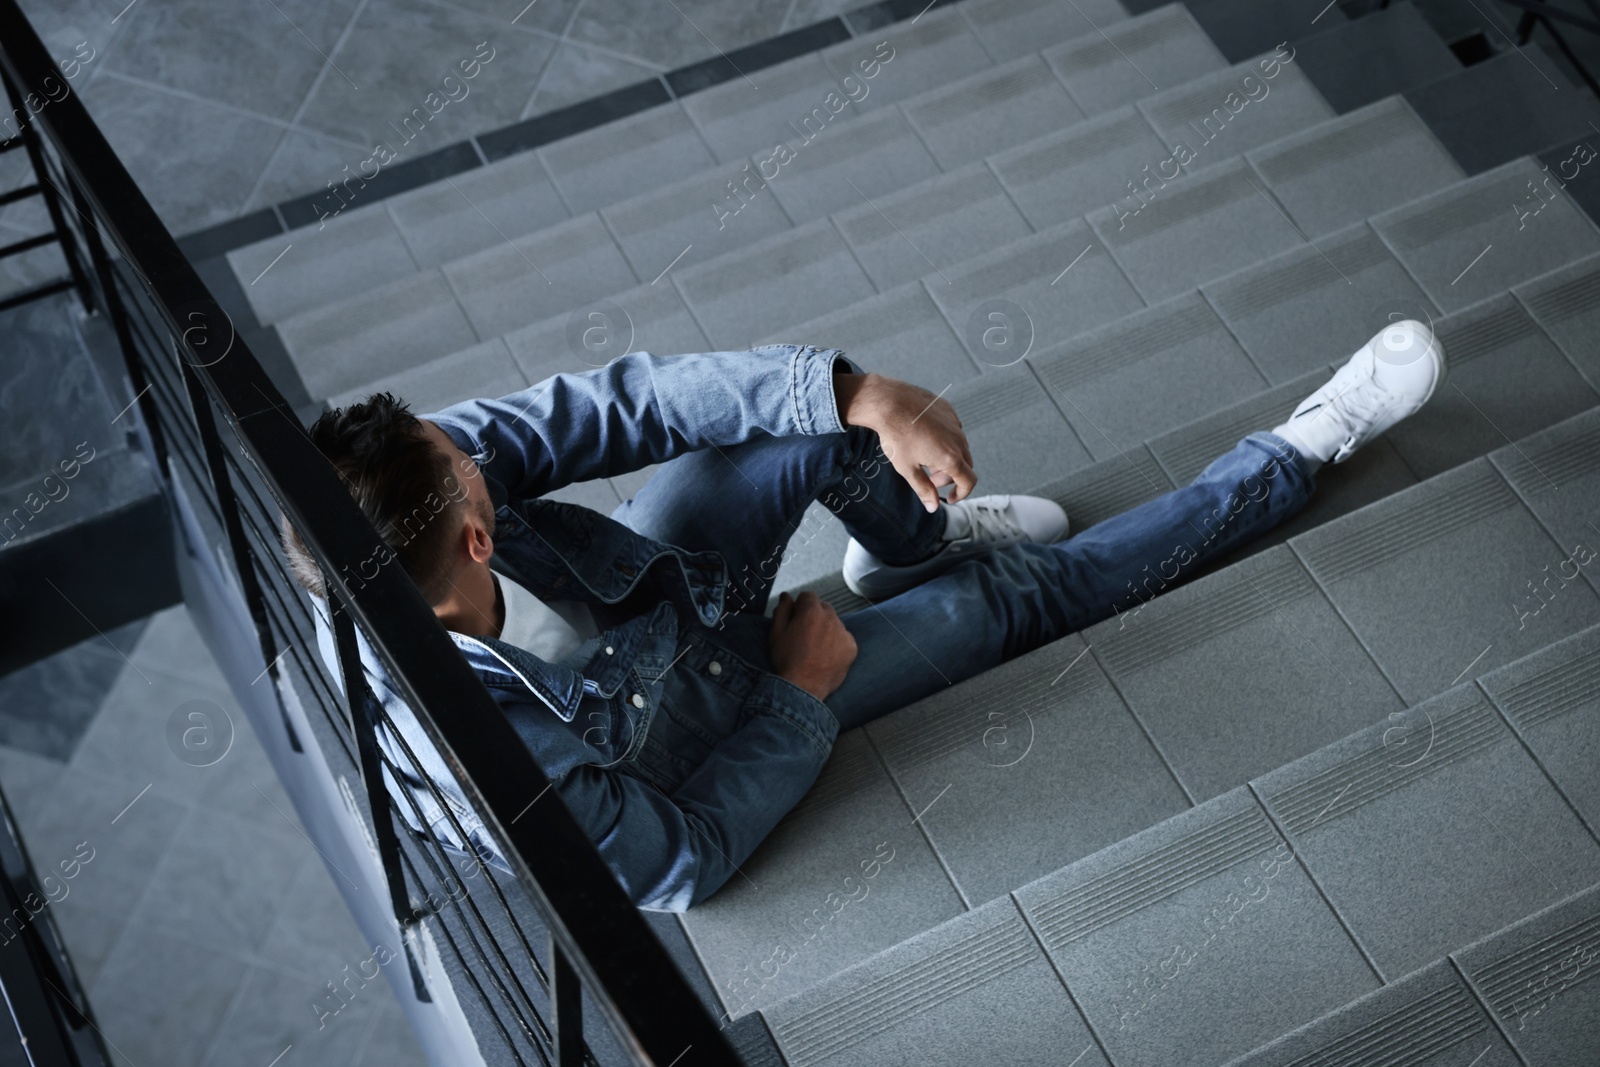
{"type": "Point", "coordinates": [585, 717]}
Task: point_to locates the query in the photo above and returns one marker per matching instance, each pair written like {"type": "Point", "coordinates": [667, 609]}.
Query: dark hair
{"type": "Point", "coordinates": [391, 468]}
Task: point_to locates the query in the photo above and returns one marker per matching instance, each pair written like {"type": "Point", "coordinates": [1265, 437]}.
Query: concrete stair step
{"type": "Point", "coordinates": [1350, 281]}
{"type": "Point", "coordinates": [1356, 62]}
{"type": "Point", "coordinates": [511, 197]}
{"type": "Point", "coordinates": [1485, 235]}
{"type": "Point", "coordinates": [1424, 828]}
{"type": "Point", "coordinates": [1511, 105]}
{"type": "Point", "coordinates": [585, 262]}
{"type": "Point", "coordinates": [1365, 162]}
{"type": "Point", "coordinates": [1353, 597]}
{"type": "Point", "coordinates": [1566, 304]}
{"type": "Point", "coordinates": [1430, 1016]}
{"type": "Point", "coordinates": [1567, 170]}
{"type": "Point", "coordinates": [1308, 899]}
{"type": "Point", "coordinates": [935, 1000]}
{"type": "Point", "coordinates": [1534, 976]}
{"type": "Point", "coordinates": [1244, 28]}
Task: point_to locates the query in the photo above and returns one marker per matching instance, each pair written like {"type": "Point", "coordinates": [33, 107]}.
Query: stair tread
{"type": "Point", "coordinates": [1408, 1021]}
{"type": "Point", "coordinates": [1354, 63]}
{"type": "Point", "coordinates": [1355, 166]}
{"type": "Point", "coordinates": [1535, 976]}
{"type": "Point", "coordinates": [1182, 651]}
{"type": "Point", "coordinates": [1395, 823]}
{"type": "Point", "coordinates": [1046, 724]}
{"type": "Point", "coordinates": [1154, 937]}
{"type": "Point", "coordinates": [1550, 699]}
{"type": "Point", "coordinates": [1466, 243]}
{"type": "Point", "coordinates": [1505, 107]}
{"type": "Point", "coordinates": [998, 231]}
{"type": "Point", "coordinates": [853, 825]}
{"type": "Point", "coordinates": [1424, 624]}
{"type": "Point", "coordinates": [1148, 372]}
{"type": "Point", "coordinates": [944, 991]}
{"type": "Point", "coordinates": [1313, 305]}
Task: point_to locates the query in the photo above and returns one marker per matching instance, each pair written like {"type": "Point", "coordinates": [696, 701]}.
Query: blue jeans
{"type": "Point", "coordinates": [747, 502]}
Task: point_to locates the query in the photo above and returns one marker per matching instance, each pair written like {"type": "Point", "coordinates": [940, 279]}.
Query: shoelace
{"type": "Point", "coordinates": [1355, 409]}
{"type": "Point", "coordinates": [990, 522]}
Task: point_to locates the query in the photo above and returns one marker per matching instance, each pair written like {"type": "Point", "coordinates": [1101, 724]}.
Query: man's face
{"type": "Point", "coordinates": [467, 475]}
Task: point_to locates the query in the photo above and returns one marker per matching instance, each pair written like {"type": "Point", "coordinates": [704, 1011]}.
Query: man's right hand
{"type": "Point", "coordinates": [810, 646]}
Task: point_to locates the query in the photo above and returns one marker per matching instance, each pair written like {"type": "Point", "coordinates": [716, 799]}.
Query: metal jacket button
{"type": "Point", "coordinates": [638, 700]}
{"type": "Point", "coordinates": [714, 667]}
{"type": "Point", "coordinates": [610, 650]}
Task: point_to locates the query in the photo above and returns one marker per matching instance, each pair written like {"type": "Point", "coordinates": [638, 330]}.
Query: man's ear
{"type": "Point", "coordinates": [479, 542]}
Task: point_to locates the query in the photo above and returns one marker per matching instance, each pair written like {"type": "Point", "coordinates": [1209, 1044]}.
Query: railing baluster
{"type": "Point", "coordinates": [52, 202]}
{"type": "Point", "coordinates": [222, 485]}
{"type": "Point", "coordinates": [363, 725]}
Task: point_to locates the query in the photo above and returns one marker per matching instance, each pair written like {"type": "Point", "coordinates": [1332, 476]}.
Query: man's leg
{"type": "Point", "coordinates": [1016, 598]}
{"type": "Point", "coordinates": [749, 502]}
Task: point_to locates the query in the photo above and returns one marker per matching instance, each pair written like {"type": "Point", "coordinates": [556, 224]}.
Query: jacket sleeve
{"type": "Point", "coordinates": [641, 409]}
{"type": "Point", "coordinates": [672, 851]}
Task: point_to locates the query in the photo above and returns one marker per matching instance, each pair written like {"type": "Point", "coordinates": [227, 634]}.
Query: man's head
{"type": "Point", "coordinates": [421, 493]}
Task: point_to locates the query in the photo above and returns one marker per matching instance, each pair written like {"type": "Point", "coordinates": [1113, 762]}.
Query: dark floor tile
{"type": "Point", "coordinates": [741, 61]}
{"type": "Point", "coordinates": [46, 707]}
{"type": "Point", "coordinates": [572, 120]}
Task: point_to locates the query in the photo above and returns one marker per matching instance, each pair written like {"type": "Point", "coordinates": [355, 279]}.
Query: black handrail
{"type": "Point", "coordinates": [599, 942]}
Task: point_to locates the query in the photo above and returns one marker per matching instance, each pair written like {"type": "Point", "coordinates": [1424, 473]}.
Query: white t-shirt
{"type": "Point", "coordinates": [550, 631]}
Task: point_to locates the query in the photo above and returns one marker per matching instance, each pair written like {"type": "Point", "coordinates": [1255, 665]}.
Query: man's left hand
{"type": "Point", "coordinates": [917, 429]}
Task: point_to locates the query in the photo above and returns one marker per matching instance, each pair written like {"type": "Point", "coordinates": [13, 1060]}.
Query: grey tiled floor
{"type": "Point", "coordinates": [201, 883]}
{"type": "Point", "coordinates": [270, 101]}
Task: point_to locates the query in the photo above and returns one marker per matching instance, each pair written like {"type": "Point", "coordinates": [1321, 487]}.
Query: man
{"type": "Point", "coordinates": [633, 653]}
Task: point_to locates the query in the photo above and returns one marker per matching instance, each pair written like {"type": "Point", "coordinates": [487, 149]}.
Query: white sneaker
{"type": "Point", "coordinates": [972, 527]}
{"type": "Point", "coordinates": [1392, 376]}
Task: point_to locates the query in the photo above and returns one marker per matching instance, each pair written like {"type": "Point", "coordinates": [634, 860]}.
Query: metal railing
{"type": "Point", "coordinates": [523, 953]}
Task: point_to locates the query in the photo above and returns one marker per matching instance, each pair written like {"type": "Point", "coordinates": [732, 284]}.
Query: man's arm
{"type": "Point", "coordinates": [672, 851]}
{"type": "Point", "coordinates": [641, 409]}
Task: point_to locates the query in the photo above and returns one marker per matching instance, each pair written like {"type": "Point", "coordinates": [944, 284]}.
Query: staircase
{"type": "Point", "coordinates": [1334, 800]}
